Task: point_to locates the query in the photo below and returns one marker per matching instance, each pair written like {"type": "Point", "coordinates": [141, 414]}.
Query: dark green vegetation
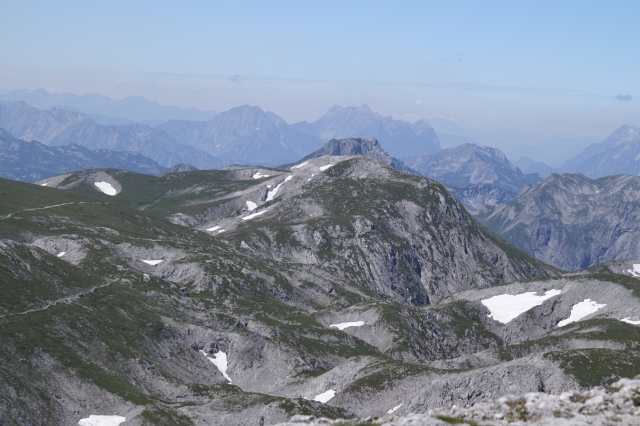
{"type": "Point", "coordinates": [98, 331]}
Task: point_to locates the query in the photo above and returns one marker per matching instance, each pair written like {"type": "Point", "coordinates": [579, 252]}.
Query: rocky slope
{"type": "Point", "coordinates": [369, 147]}
{"type": "Point", "coordinates": [245, 134]}
{"type": "Point", "coordinates": [618, 154]}
{"type": "Point", "coordinates": [60, 127]}
{"type": "Point", "coordinates": [571, 221]}
{"type": "Point", "coordinates": [33, 161]}
{"type": "Point", "coordinates": [468, 169]}
{"type": "Point", "coordinates": [398, 138]}
{"type": "Point", "coordinates": [337, 292]}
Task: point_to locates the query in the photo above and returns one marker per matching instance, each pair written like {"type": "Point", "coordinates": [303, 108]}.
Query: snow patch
{"type": "Point", "coordinates": [215, 228]}
{"type": "Point", "coordinates": [43, 184]}
{"type": "Point", "coordinates": [220, 361]}
{"type": "Point", "coordinates": [102, 421]}
{"type": "Point", "coordinates": [62, 253]}
{"type": "Point", "coordinates": [274, 191]}
{"type": "Point", "coordinates": [106, 188]}
{"type": "Point", "coordinates": [581, 310]}
{"type": "Point", "coordinates": [300, 165]}
{"type": "Point", "coordinates": [325, 396]}
{"type": "Point", "coordinates": [628, 320]}
{"type": "Point", "coordinates": [221, 231]}
{"type": "Point", "coordinates": [344, 325]}
{"type": "Point", "coordinates": [393, 410]}
{"type": "Point", "coordinates": [152, 262]}
{"type": "Point", "coordinates": [256, 214]}
{"type": "Point", "coordinates": [507, 307]}
{"type": "Point", "coordinates": [635, 271]}
{"type": "Point", "coordinates": [251, 206]}
{"type": "Point", "coordinates": [259, 175]}
{"type": "Point", "coordinates": [323, 168]}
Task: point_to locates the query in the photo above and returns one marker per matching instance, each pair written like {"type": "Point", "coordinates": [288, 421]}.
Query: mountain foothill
{"type": "Point", "coordinates": [233, 269]}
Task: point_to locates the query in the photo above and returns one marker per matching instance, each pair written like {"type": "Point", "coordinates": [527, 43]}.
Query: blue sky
{"type": "Point", "coordinates": [536, 68]}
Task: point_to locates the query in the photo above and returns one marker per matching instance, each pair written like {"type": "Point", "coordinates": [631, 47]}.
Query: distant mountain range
{"type": "Point", "coordinates": [618, 154]}
{"type": "Point", "coordinates": [573, 222]}
{"type": "Point", "coordinates": [246, 134]}
{"type": "Point", "coordinates": [134, 108]}
{"type": "Point", "coordinates": [34, 161]}
{"type": "Point", "coordinates": [62, 127]}
{"type": "Point", "coordinates": [397, 137]}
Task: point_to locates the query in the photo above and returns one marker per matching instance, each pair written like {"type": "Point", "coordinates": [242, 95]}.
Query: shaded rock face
{"type": "Point", "coordinates": [60, 127]}
{"type": "Point", "coordinates": [398, 138]}
{"type": "Point", "coordinates": [476, 198]}
{"type": "Point", "coordinates": [33, 161]}
{"type": "Point", "coordinates": [470, 164]}
{"type": "Point", "coordinates": [369, 147]}
{"type": "Point", "coordinates": [245, 134]}
{"type": "Point", "coordinates": [573, 222]}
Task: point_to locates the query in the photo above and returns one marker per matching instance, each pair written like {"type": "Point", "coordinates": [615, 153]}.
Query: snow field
{"type": "Point", "coordinates": [259, 175]}
{"type": "Point", "coordinates": [393, 410]}
{"type": "Point", "coordinates": [152, 262]}
{"type": "Point", "coordinates": [43, 184]}
{"type": "Point", "coordinates": [62, 253]}
{"type": "Point", "coordinates": [256, 214]}
{"type": "Point", "coordinates": [106, 188]}
{"type": "Point", "coordinates": [220, 361]}
{"type": "Point", "coordinates": [325, 396]}
{"type": "Point", "coordinates": [323, 168]}
{"type": "Point", "coordinates": [215, 228]}
{"type": "Point", "coordinates": [344, 325]}
{"type": "Point", "coordinates": [251, 206]}
{"type": "Point", "coordinates": [581, 310]}
{"type": "Point", "coordinates": [506, 307]}
{"type": "Point", "coordinates": [628, 320]}
{"type": "Point", "coordinates": [274, 191]}
{"type": "Point", "coordinates": [635, 271]}
{"type": "Point", "coordinates": [300, 165]}
{"type": "Point", "coordinates": [93, 420]}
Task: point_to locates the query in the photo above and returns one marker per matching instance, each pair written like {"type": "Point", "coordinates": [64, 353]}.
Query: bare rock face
{"type": "Point", "coordinates": [573, 222]}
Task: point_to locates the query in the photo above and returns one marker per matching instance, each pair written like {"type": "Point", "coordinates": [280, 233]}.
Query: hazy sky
{"type": "Point", "coordinates": [530, 67]}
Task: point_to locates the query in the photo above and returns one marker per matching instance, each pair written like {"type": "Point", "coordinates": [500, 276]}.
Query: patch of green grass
{"type": "Point", "coordinates": [598, 367]}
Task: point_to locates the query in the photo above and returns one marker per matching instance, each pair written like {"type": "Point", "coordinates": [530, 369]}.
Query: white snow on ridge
{"type": "Point", "coordinates": [581, 310]}
{"type": "Point", "coordinates": [152, 262]}
{"type": "Point", "coordinates": [628, 320]}
{"type": "Point", "coordinates": [323, 168]}
{"type": "Point", "coordinates": [43, 184]}
{"type": "Point", "coordinates": [93, 420]}
{"type": "Point", "coordinates": [393, 410]}
{"type": "Point", "coordinates": [106, 188]}
{"type": "Point", "coordinates": [272, 193]}
{"type": "Point", "coordinates": [344, 325]}
{"type": "Point", "coordinates": [215, 228]}
{"type": "Point", "coordinates": [300, 165]}
{"type": "Point", "coordinates": [259, 175]}
{"type": "Point", "coordinates": [507, 307]}
{"type": "Point", "coordinates": [220, 361]}
{"type": "Point", "coordinates": [256, 214]}
{"type": "Point", "coordinates": [62, 253]}
{"type": "Point", "coordinates": [251, 206]}
{"type": "Point", "coordinates": [635, 271]}
{"type": "Point", "coordinates": [325, 396]}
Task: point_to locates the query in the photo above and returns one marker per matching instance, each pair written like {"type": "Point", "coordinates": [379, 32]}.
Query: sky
{"type": "Point", "coordinates": [523, 71]}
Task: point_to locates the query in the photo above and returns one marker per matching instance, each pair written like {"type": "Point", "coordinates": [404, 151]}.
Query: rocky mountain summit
{"type": "Point", "coordinates": [571, 221]}
{"type": "Point", "coordinates": [478, 175]}
{"type": "Point", "coordinates": [369, 147]}
{"type": "Point", "coordinates": [397, 137]}
{"type": "Point", "coordinates": [33, 161]}
{"type": "Point", "coordinates": [338, 288]}
{"type": "Point", "coordinates": [58, 127]}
